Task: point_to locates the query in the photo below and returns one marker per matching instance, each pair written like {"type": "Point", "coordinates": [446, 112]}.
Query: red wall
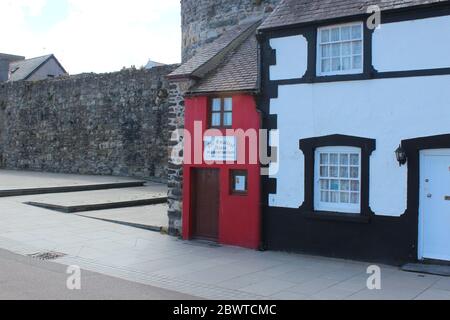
{"type": "Point", "coordinates": [239, 216]}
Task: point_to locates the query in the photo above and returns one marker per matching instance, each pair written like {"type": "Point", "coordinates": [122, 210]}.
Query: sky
{"type": "Point", "coordinates": [93, 35]}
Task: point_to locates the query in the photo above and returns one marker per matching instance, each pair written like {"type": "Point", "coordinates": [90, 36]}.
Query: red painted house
{"type": "Point", "coordinates": [221, 188]}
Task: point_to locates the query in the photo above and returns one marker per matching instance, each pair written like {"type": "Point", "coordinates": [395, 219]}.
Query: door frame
{"type": "Point", "coordinates": [413, 148]}
{"type": "Point", "coordinates": [422, 240]}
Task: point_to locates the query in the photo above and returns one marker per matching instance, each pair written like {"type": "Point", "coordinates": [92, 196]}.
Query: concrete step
{"type": "Point", "coordinates": [73, 188]}
{"type": "Point", "coordinates": [72, 202]}
{"type": "Point", "coordinates": [434, 269]}
{"type": "Point", "coordinates": [152, 218]}
{"type": "Point", "coordinates": [99, 206]}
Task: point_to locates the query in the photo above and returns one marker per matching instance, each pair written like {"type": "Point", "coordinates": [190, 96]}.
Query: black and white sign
{"type": "Point", "coordinates": [220, 149]}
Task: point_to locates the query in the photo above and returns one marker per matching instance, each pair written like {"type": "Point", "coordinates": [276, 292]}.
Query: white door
{"type": "Point", "coordinates": [434, 213]}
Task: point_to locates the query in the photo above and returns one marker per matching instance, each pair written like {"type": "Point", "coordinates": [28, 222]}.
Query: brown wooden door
{"type": "Point", "coordinates": [205, 200]}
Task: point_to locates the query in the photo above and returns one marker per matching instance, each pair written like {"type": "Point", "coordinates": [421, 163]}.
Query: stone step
{"type": "Point", "coordinates": [433, 269]}
{"type": "Point", "coordinates": [99, 206]}
{"type": "Point", "coordinates": [152, 218]}
{"type": "Point", "coordinates": [72, 202]}
{"type": "Point", "coordinates": [73, 188]}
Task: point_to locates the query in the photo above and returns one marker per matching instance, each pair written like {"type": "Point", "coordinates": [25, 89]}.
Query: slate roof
{"type": "Point", "coordinates": [21, 70]}
{"type": "Point", "coordinates": [212, 54]}
{"type": "Point", "coordinates": [237, 72]}
{"type": "Point", "coordinates": [291, 12]}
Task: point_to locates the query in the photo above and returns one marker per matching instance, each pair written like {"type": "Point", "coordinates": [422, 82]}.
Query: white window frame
{"type": "Point", "coordinates": [348, 208]}
{"type": "Point", "coordinates": [319, 49]}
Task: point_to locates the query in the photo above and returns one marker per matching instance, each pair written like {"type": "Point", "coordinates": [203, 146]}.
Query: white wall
{"type": "Point", "coordinates": [412, 45]}
{"type": "Point", "coordinates": [292, 57]}
{"type": "Point", "coordinates": [388, 110]}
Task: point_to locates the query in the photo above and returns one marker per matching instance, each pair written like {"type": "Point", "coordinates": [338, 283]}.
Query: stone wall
{"type": "Point", "coordinates": [205, 20]}
{"type": "Point", "coordinates": [175, 165]}
{"type": "Point", "coordinates": [106, 124]}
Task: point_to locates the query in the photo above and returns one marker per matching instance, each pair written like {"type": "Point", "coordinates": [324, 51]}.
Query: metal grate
{"type": "Point", "coordinates": [47, 255]}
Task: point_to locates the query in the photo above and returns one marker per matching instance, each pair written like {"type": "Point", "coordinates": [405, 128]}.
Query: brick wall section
{"type": "Point", "coordinates": [205, 20]}
{"type": "Point", "coordinates": [106, 124]}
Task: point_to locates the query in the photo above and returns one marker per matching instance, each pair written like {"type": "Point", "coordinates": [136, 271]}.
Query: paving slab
{"type": "Point", "coordinates": [152, 217]}
{"type": "Point", "coordinates": [151, 193]}
{"type": "Point", "coordinates": [22, 183]}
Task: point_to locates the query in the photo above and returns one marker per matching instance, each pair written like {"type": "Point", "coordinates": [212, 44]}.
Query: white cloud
{"type": "Point", "coordinates": [99, 35]}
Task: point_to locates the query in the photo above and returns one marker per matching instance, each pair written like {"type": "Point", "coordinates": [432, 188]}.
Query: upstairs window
{"type": "Point", "coordinates": [338, 179]}
{"type": "Point", "coordinates": [221, 113]}
{"type": "Point", "coordinates": [340, 50]}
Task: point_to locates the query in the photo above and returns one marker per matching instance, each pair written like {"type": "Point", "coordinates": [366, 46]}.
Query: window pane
{"type": "Point", "coordinates": [326, 51]}
{"type": "Point", "coordinates": [354, 172]}
{"type": "Point", "coordinates": [215, 121]}
{"type": "Point", "coordinates": [343, 172]}
{"type": "Point", "coordinates": [354, 198]}
{"type": "Point", "coordinates": [346, 49]}
{"type": "Point", "coordinates": [334, 185]}
{"type": "Point", "coordinates": [334, 158]}
{"type": "Point", "coordinates": [216, 105]}
{"type": "Point", "coordinates": [334, 172]}
{"type": "Point", "coordinates": [326, 65]}
{"type": "Point", "coordinates": [228, 119]}
{"type": "Point", "coordinates": [324, 172]}
{"type": "Point", "coordinates": [345, 185]}
{"type": "Point", "coordinates": [356, 32]}
{"type": "Point", "coordinates": [346, 33]}
{"type": "Point", "coordinates": [325, 36]}
{"type": "Point", "coordinates": [324, 158]}
{"type": "Point", "coordinates": [346, 63]}
{"type": "Point", "coordinates": [335, 197]}
{"type": "Point", "coordinates": [344, 159]}
{"type": "Point", "coordinates": [228, 104]}
{"type": "Point", "coordinates": [345, 197]}
{"type": "Point", "coordinates": [336, 50]}
{"type": "Point", "coordinates": [354, 159]}
{"type": "Point", "coordinates": [336, 64]}
{"type": "Point", "coordinates": [357, 47]}
{"type": "Point", "coordinates": [335, 34]}
{"type": "Point", "coordinates": [355, 185]}
{"type": "Point", "coordinates": [325, 196]}
{"type": "Point", "coordinates": [357, 62]}
{"type": "Point", "coordinates": [325, 184]}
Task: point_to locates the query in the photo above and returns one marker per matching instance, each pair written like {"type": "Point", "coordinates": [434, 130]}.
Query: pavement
{"type": "Point", "coordinates": [200, 269]}
{"type": "Point", "coordinates": [151, 217]}
{"type": "Point", "coordinates": [10, 180]}
{"type": "Point", "coordinates": [150, 191]}
{"type": "Point", "coordinates": [25, 278]}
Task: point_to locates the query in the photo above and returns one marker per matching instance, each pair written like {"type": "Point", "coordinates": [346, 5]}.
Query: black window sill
{"type": "Point", "coordinates": [336, 216]}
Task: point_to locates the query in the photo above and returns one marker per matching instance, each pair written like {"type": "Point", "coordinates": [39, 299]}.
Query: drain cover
{"type": "Point", "coordinates": [47, 255]}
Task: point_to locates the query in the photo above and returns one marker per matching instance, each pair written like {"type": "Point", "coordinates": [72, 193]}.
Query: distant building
{"type": "Point", "coordinates": [5, 60]}
{"type": "Point", "coordinates": [39, 68]}
{"type": "Point", "coordinates": [151, 64]}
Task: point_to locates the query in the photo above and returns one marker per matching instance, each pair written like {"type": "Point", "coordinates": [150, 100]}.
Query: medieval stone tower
{"type": "Point", "coordinates": [205, 20]}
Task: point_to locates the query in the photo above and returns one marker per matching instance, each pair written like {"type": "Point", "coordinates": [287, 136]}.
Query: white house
{"type": "Point", "coordinates": [363, 116]}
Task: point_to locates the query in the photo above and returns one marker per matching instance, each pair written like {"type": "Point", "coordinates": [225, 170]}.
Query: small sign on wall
{"type": "Point", "coordinates": [240, 183]}
{"type": "Point", "coordinates": [220, 149]}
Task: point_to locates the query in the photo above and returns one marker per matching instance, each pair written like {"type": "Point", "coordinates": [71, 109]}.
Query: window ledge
{"type": "Point", "coordinates": [335, 216]}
